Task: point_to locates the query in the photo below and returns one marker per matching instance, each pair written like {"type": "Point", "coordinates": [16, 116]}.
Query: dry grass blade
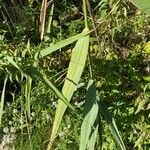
{"type": "Point", "coordinates": [75, 70]}
{"type": "Point", "coordinates": [42, 18]}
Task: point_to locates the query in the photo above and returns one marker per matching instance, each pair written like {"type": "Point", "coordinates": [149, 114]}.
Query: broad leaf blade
{"type": "Point", "coordinates": [75, 70]}
{"type": "Point", "coordinates": [92, 141]}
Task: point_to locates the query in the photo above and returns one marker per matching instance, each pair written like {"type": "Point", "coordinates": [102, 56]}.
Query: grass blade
{"type": "Point", "coordinates": [2, 101]}
{"type": "Point", "coordinates": [34, 73]}
{"type": "Point", "coordinates": [27, 95]}
{"type": "Point", "coordinates": [112, 125]}
{"type": "Point", "coordinates": [47, 36]}
{"type": "Point", "coordinates": [89, 128]}
{"type": "Point", "coordinates": [10, 60]}
{"type": "Point", "coordinates": [60, 44]}
{"type": "Point", "coordinates": [75, 70]}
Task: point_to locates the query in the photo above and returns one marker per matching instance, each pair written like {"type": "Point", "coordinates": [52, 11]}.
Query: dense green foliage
{"type": "Point", "coordinates": [114, 63]}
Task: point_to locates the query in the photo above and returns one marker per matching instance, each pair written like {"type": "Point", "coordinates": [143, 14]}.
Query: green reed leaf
{"type": "Point", "coordinates": [89, 128]}
{"type": "Point", "coordinates": [75, 70]}
{"type": "Point", "coordinates": [112, 125]}
{"type": "Point", "coordinates": [60, 44]}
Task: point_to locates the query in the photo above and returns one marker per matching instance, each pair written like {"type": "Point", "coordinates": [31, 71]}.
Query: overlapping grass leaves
{"type": "Point", "coordinates": [34, 73]}
{"type": "Point", "coordinates": [75, 70]}
{"type": "Point", "coordinates": [91, 122]}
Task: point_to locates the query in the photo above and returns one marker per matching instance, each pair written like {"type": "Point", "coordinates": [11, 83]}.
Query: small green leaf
{"type": "Point", "coordinates": [138, 142]}
{"type": "Point", "coordinates": [141, 104]}
{"type": "Point", "coordinates": [147, 47]}
{"type": "Point", "coordinates": [10, 60]}
{"type": "Point", "coordinates": [147, 79]}
{"type": "Point", "coordinates": [27, 49]}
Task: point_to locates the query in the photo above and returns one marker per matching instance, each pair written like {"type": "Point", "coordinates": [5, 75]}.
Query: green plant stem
{"type": "Point", "coordinates": [85, 13]}
{"type": "Point", "coordinates": [90, 66]}
{"type": "Point", "coordinates": [94, 26]}
{"type": "Point", "coordinates": [2, 100]}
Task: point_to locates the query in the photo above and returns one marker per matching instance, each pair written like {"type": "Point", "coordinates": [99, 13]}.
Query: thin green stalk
{"type": "Point", "coordinates": [2, 100]}
{"type": "Point", "coordinates": [85, 13]}
{"type": "Point", "coordinates": [29, 132]}
{"type": "Point", "coordinates": [90, 67]}
{"type": "Point", "coordinates": [49, 27]}
{"type": "Point", "coordinates": [21, 117]}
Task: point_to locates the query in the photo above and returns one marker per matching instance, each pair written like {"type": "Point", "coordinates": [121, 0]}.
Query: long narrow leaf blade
{"type": "Point", "coordinates": [27, 95]}
{"type": "Point", "coordinates": [88, 129]}
{"type": "Point", "coordinates": [10, 60]}
{"type": "Point", "coordinates": [60, 45]}
{"type": "Point", "coordinates": [75, 70]}
{"type": "Point", "coordinates": [47, 36]}
{"type": "Point", "coordinates": [112, 125]}
{"type": "Point", "coordinates": [33, 72]}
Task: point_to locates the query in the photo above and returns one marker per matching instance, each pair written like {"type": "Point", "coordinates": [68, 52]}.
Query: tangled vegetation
{"type": "Point", "coordinates": [74, 75]}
